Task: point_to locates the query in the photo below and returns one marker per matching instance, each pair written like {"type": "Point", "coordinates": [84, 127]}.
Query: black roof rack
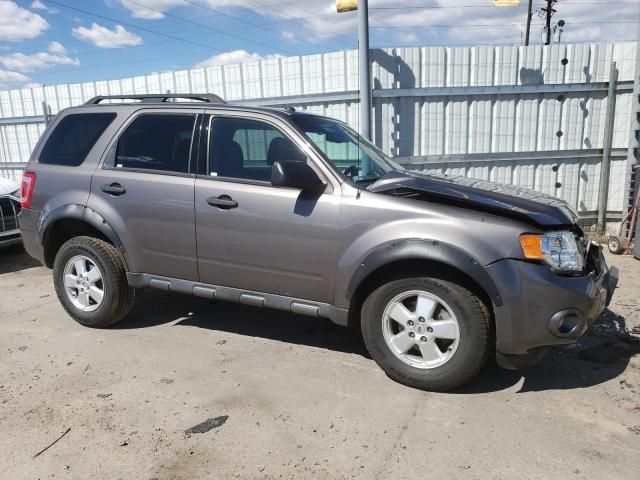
{"type": "Point", "coordinates": [158, 98]}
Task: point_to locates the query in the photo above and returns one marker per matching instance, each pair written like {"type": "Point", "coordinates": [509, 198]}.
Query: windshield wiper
{"type": "Point", "coordinates": [387, 174]}
{"type": "Point", "coordinates": [367, 181]}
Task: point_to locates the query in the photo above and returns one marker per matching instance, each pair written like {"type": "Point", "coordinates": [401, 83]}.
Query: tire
{"type": "Point", "coordinates": [463, 357]}
{"type": "Point", "coordinates": [615, 245]}
{"type": "Point", "coordinates": [117, 297]}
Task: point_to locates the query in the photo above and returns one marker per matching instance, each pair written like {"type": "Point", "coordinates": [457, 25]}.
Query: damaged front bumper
{"type": "Point", "coordinates": [541, 308]}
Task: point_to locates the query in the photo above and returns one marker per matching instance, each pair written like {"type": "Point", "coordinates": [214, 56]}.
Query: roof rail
{"type": "Point", "coordinates": [158, 98]}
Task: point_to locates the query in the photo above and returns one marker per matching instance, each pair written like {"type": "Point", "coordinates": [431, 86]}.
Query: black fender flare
{"type": "Point", "coordinates": [430, 250]}
{"type": "Point", "coordinates": [85, 214]}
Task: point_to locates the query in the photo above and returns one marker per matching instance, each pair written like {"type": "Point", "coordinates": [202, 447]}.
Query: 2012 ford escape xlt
{"type": "Point", "coordinates": [288, 210]}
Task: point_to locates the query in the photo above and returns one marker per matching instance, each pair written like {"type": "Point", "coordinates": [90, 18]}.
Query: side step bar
{"type": "Point", "coordinates": [254, 299]}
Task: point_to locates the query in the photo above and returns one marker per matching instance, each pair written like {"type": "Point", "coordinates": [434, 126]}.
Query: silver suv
{"type": "Point", "coordinates": [282, 209]}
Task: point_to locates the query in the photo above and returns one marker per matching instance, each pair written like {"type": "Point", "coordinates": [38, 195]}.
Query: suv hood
{"type": "Point", "coordinates": [519, 203]}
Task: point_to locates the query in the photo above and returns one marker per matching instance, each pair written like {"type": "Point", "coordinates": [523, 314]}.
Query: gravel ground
{"type": "Point", "coordinates": [302, 397]}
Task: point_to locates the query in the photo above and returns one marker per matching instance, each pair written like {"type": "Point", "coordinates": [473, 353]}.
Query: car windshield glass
{"type": "Point", "coordinates": [360, 160]}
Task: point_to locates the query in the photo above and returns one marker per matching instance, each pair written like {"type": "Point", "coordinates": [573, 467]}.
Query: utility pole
{"type": "Point", "coordinates": [363, 56]}
{"type": "Point", "coordinates": [365, 70]}
{"type": "Point", "coordinates": [549, 11]}
{"type": "Point", "coordinates": [529, 15]}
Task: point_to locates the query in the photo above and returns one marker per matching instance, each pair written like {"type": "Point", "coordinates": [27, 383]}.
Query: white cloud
{"type": "Point", "coordinates": [287, 35]}
{"type": "Point", "coordinates": [408, 37]}
{"type": "Point", "coordinates": [9, 80]}
{"type": "Point", "coordinates": [236, 56]}
{"type": "Point", "coordinates": [11, 77]}
{"type": "Point", "coordinates": [57, 48]}
{"type": "Point", "coordinates": [17, 23]}
{"type": "Point", "coordinates": [36, 61]}
{"type": "Point", "coordinates": [154, 12]}
{"type": "Point", "coordinates": [38, 5]}
{"type": "Point", "coordinates": [104, 38]}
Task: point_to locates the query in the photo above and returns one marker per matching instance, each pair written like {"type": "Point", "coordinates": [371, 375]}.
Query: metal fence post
{"type": "Point", "coordinates": [605, 169]}
{"type": "Point", "coordinates": [46, 112]}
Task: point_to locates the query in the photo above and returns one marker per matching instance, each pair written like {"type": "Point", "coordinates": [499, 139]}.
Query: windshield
{"type": "Point", "coordinates": [360, 161]}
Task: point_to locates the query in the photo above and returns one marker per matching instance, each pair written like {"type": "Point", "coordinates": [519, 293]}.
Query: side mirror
{"type": "Point", "coordinates": [296, 175]}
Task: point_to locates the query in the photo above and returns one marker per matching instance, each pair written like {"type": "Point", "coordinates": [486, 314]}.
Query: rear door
{"type": "Point", "coordinates": [145, 190]}
{"type": "Point", "coordinates": [260, 237]}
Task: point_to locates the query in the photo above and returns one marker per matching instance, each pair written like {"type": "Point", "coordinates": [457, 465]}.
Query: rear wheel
{"type": "Point", "coordinates": [91, 282]}
{"type": "Point", "coordinates": [427, 333]}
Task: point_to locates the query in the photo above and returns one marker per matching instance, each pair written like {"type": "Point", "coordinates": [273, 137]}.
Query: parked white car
{"type": "Point", "coordinates": [9, 209]}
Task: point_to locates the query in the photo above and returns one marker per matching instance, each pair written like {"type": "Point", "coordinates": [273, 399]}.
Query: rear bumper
{"type": "Point", "coordinates": [28, 220]}
{"type": "Point", "coordinates": [541, 308]}
{"type": "Point", "coordinates": [10, 238]}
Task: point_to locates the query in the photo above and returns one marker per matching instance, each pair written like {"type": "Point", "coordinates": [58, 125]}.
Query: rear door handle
{"type": "Point", "coordinates": [224, 202]}
{"type": "Point", "coordinates": [114, 189]}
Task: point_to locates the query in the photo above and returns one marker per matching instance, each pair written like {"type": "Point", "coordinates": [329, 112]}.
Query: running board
{"type": "Point", "coordinates": [246, 297]}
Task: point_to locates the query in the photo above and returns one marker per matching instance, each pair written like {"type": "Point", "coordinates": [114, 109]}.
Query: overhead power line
{"type": "Point", "coordinates": [257, 25]}
{"type": "Point", "coordinates": [207, 27]}
{"type": "Point", "coordinates": [200, 35]}
{"type": "Point", "coordinates": [137, 27]}
{"type": "Point", "coordinates": [298, 20]}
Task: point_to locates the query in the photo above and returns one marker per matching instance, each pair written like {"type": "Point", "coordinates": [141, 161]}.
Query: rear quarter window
{"type": "Point", "coordinates": [73, 138]}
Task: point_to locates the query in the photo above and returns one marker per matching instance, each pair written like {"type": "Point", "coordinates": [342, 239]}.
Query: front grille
{"type": "Point", "coordinates": [9, 209]}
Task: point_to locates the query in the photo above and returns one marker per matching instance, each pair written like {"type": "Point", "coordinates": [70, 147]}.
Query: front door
{"type": "Point", "coordinates": [145, 191]}
{"type": "Point", "coordinates": [252, 235]}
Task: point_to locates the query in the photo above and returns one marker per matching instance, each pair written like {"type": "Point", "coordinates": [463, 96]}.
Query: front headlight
{"type": "Point", "coordinates": [559, 250]}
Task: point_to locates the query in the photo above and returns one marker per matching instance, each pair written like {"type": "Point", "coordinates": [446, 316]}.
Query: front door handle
{"type": "Point", "coordinates": [224, 202]}
{"type": "Point", "coordinates": [114, 189]}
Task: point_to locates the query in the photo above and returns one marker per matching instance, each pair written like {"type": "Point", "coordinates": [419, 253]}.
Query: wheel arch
{"type": "Point", "coordinates": [73, 220]}
{"type": "Point", "coordinates": [419, 258]}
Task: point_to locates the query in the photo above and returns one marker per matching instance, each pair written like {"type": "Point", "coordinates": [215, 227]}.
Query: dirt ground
{"type": "Point", "coordinates": [302, 397]}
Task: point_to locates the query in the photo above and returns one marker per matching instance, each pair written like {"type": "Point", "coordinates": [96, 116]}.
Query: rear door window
{"type": "Point", "coordinates": [72, 139]}
{"type": "Point", "coordinates": [158, 142]}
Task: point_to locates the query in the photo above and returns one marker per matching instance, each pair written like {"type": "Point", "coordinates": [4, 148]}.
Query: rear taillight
{"type": "Point", "coordinates": [28, 184]}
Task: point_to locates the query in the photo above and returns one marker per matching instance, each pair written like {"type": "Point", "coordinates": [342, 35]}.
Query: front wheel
{"type": "Point", "coordinates": [91, 282]}
{"type": "Point", "coordinates": [427, 333]}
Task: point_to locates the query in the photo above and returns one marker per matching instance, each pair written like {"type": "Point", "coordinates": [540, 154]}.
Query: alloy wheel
{"type": "Point", "coordinates": [420, 329]}
{"type": "Point", "coordinates": [83, 283]}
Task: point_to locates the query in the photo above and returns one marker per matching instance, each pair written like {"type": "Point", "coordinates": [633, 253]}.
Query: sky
{"type": "Point", "coordinates": [45, 42]}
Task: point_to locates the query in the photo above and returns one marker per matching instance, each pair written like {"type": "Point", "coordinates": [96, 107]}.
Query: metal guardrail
{"type": "Point", "coordinates": [12, 165]}
{"type": "Point", "coordinates": [353, 95]}
{"type": "Point", "coordinates": [471, 158]}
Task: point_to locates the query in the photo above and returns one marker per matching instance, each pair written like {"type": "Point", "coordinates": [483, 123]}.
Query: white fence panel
{"type": "Point", "coordinates": [454, 119]}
